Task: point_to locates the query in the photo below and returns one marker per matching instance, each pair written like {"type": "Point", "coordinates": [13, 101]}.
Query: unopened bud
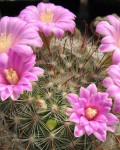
{"type": "Point", "coordinates": [41, 105]}
{"type": "Point", "coordinates": [51, 124]}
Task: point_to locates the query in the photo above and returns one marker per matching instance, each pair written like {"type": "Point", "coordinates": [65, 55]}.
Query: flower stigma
{"type": "Point", "coordinates": [90, 113]}
{"type": "Point", "coordinates": [11, 76]}
{"type": "Point", "coordinates": [5, 42]}
{"type": "Point", "coordinates": [47, 16]}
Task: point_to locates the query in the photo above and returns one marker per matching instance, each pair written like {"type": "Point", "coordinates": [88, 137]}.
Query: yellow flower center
{"type": "Point", "coordinates": [90, 113]}
{"type": "Point", "coordinates": [5, 42]}
{"type": "Point", "coordinates": [47, 16]}
{"type": "Point", "coordinates": [11, 76]}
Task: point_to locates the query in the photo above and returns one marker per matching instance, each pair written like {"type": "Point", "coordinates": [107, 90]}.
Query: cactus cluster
{"type": "Point", "coordinates": [34, 110]}
{"type": "Point", "coordinates": [37, 120]}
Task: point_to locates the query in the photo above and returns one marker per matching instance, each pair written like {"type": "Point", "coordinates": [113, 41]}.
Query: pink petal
{"type": "Point", "coordinates": [30, 76]}
{"type": "Point", "coordinates": [29, 11]}
{"type": "Point", "coordinates": [79, 131]}
{"type": "Point", "coordinates": [107, 82]}
{"type": "Point", "coordinates": [37, 42]}
{"type": "Point", "coordinates": [47, 30]}
{"type": "Point", "coordinates": [113, 91]}
{"type": "Point", "coordinates": [104, 28]}
{"type": "Point", "coordinates": [116, 106]}
{"type": "Point", "coordinates": [114, 67]}
{"type": "Point", "coordinates": [84, 93]}
{"type": "Point", "coordinates": [100, 134]}
{"type": "Point", "coordinates": [107, 47]}
{"type": "Point", "coordinates": [94, 125]}
{"type": "Point", "coordinates": [74, 118]}
{"type": "Point", "coordinates": [103, 126]}
{"type": "Point", "coordinates": [108, 40]}
{"type": "Point", "coordinates": [26, 84]}
{"type": "Point", "coordinates": [28, 87]}
{"type": "Point", "coordinates": [29, 32]}
{"type": "Point", "coordinates": [15, 95]}
{"type": "Point", "coordinates": [107, 103]}
{"type": "Point", "coordinates": [114, 73]}
{"type": "Point", "coordinates": [23, 50]}
{"type": "Point", "coordinates": [92, 88]}
{"type": "Point", "coordinates": [116, 56]}
{"type": "Point", "coordinates": [5, 94]}
{"type": "Point", "coordinates": [72, 98]}
{"type": "Point", "coordinates": [112, 119]}
{"type": "Point", "coordinates": [37, 70]}
{"type": "Point", "coordinates": [23, 81]}
{"type": "Point", "coordinates": [114, 22]}
{"type": "Point", "coordinates": [3, 24]}
{"type": "Point", "coordinates": [80, 111]}
{"type": "Point", "coordinates": [18, 89]}
{"type": "Point", "coordinates": [28, 66]}
{"type": "Point", "coordinates": [58, 32]}
{"type": "Point", "coordinates": [41, 7]}
{"type": "Point", "coordinates": [104, 96]}
{"type": "Point", "coordinates": [2, 87]}
{"type": "Point", "coordinates": [89, 129]}
{"type": "Point", "coordinates": [76, 106]}
{"type": "Point", "coordinates": [106, 110]}
{"type": "Point", "coordinates": [83, 121]}
{"type": "Point", "coordinates": [82, 102]}
{"type": "Point", "coordinates": [50, 6]}
{"type": "Point", "coordinates": [3, 60]}
{"type": "Point", "coordinates": [2, 79]}
{"type": "Point", "coordinates": [98, 98]}
{"type": "Point", "coordinates": [111, 128]}
{"type": "Point", "coordinates": [65, 26]}
{"type": "Point", "coordinates": [117, 82]}
{"type": "Point", "coordinates": [62, 15]}
{"type": "Point", "coordinates": [101, 118]}
{"type": "Point", "coordinates": [69, 111]}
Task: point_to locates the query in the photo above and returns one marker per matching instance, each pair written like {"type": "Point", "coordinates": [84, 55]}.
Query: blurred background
{"type": "Point", "coordinates": [85, 10]}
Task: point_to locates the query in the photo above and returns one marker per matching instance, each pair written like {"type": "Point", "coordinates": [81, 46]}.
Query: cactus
{"type": "Point", "coordinates": [37, 120]}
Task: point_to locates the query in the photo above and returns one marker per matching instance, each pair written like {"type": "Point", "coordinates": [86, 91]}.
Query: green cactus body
{"type": "Point", "coordinates": [38, 121]}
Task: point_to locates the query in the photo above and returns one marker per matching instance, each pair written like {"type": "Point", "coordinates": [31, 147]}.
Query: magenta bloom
{"type": "Point", "coordinates": [112, 83]}
{"type": "Point", "coordinates": [91, 112]}
{"type": "Point", "coordinates": [49, 18]}
{"type": "Point", "coordinates": [16, 74]}
{"type": "Point", "coordinates": [16, 34]}
{"type": "Point", "coordinates": [111, 41]}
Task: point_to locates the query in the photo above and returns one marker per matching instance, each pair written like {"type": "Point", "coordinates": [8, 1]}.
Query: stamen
{"type": "Point", "coordinates": [11, 76]}
{"type": "Point", "coordinates": [47, 16]}
{"type": "Point", "coordinates": [5, 42]}
{"type": "Point", "coordinates": [90, 113]}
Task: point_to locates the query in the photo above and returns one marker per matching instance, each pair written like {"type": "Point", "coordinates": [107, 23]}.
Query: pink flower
{"type": "Point", "coordinates": [49, 18]}
{"type": "Point", "coordinates": [111, 41]}
{"type": "Point", "coordinates": [16, 34]}
{"type": "Point", "coordinates": [16, 74]}
{"type": "Point", "coordinates": [91, 113]}
{"type": "Point", "coordinates": [112, 83]}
